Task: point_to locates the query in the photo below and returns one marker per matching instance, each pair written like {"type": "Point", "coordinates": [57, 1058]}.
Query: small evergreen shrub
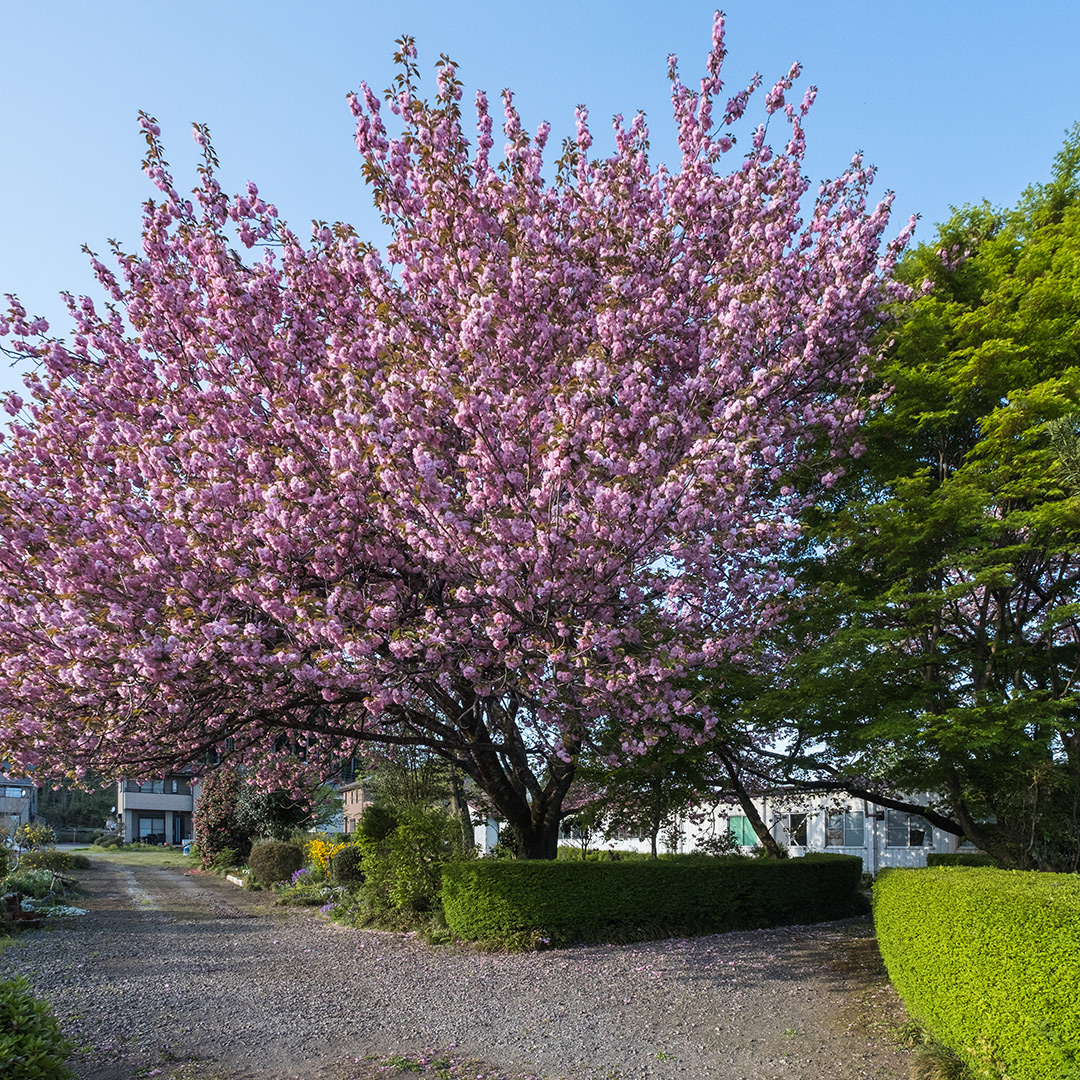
{"type": "Point", "coordinates": [376, 823]}
{"type": "Point", "coordinates": [958, 858]}
{"type": "Point", "coordinates": [32, 1046]}
{"type": "Point", "coordinates": [988, 961]}
{"type": "Point", "coordinates": [563, 901]}
{"type": "Point", "coordinates": [225, 859]}
{"type": "Point", "coordinates": [347, 865]}
{"type": "Point", "coordinates": [272, 861]}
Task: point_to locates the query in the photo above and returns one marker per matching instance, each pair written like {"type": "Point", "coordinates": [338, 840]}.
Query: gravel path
{"type": "Point", "coordinates": [172, 968]}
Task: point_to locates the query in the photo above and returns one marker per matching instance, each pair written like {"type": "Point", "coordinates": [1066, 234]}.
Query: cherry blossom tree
{"type": "Point", "coordinates": [507, 480]}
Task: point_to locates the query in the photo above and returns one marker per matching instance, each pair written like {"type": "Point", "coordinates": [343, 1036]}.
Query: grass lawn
{"type": "Point", "coordinates": [166, 858]}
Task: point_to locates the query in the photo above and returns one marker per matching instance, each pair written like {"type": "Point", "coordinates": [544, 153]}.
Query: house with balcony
{"type": "Point", "coordinates": [157, 811]}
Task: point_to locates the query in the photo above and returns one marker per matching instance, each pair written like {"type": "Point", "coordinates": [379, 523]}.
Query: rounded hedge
{"type": "Point", "coordinates": [346, 865]}
{"type": "Point", "coordinates": [271, 861]}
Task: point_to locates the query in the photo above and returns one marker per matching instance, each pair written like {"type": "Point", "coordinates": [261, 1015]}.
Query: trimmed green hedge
{"type": "Point", "coordinates": [497, 900]}
{"type": "Point", "coordinates": [958, 858]}
{"type": "Point", "coordinates": [989, 962]}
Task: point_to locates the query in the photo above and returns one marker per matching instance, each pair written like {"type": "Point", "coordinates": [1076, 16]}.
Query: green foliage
{"type": "Point", "coordinates": [217, 828]}
{"type": "Point", "coordinates": [53, 860]}
{"type": "Point", "coordinates": [34, 835]}
{"type": "Point", "coordinates": [32, 1046]}
{"type": "Point", "coordinates": [376, 823]}
{"type": "Point", "coordinates": [403, 870]}
{"type": "Point", "coordinates": [30, 882]}
{"type": "Point", "coordinates": [271, 815]}
{"type": "Point", "coordinates": [989, 962]}
{"type": "Point", "coordinates": [559, 902]}
{"type": "Point", "coordinates": [271, 861]}
{"type": "Point", "coordinates": [941, 576]}
{"type": "Point", "coordinates": [958, 858]}
{"type": "Point", "coordinates": [70, 807]}
{"type": "Point", "coordinates": [644, 793]}
{"type": "Point", "coordinates": [224, 859]}
{"type": "Point", "coordinates": [3, 861]}
{"type": "Point", "coordinates": [347, 865]}
{"type": "Point", "coordinates": [414, 778]}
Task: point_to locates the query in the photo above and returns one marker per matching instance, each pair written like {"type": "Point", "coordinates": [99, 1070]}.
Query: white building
{"type": "Point", "coordinates": [801, 824]}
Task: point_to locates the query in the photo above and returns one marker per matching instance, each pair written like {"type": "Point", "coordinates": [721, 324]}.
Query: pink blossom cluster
{"type": "Point", "coordinates": [515, 474]}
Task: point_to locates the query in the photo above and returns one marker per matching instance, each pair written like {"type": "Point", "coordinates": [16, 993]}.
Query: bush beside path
{"type": "Point", "coordinates": [178, 975]}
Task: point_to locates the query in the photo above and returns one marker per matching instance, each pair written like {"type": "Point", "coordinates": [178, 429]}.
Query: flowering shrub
{"type": "Point", "coordinates": [34, 835]}
{"type": "Point", "coordinates": [321, 853]}
{"type": "Point", "coordinates": [217, 831]}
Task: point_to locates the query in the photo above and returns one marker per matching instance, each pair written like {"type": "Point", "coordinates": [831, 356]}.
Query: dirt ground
{"type": "Point", "coordinates": [186, 977]}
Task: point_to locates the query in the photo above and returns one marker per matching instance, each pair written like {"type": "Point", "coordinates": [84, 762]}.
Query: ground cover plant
{"type": "Point", "coordinates": [988, 961]}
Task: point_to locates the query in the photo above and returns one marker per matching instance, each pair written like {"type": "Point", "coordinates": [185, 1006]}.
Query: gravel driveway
{"type": "Point", "coordinates": [179, 975]}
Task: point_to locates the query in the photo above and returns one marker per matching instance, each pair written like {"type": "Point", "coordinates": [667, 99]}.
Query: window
{"type": "Point", "coordinates": [13, 792]}
{"type": "Point", "coordinates": [906, 830]}
{"type": "Point", "coordinates": [795, 826]}
{"type": "Point", "coordinates": [177, 785]}
{"type": "Point", "coordinates": [151, 828]}
{"type": "Point", "coordinates": [742, 830]}
{"type": "Point", "coordinates": [148, 787]}
{"type": "Point", "coordinates": [844, 829]}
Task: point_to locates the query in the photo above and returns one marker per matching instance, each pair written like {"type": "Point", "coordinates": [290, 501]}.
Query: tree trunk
{"type": "Point", "coordinates": [539, 842]}
{"type": "Point", "coordinates": [460, 808]}
{"type": "Point", "coordinates": [761, 830]}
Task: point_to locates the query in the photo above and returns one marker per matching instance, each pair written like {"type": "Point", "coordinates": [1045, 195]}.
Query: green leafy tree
{"type": "Point", "coordinates": [84, 806]}
{"type": "Point", "coordinates": [937, 646]}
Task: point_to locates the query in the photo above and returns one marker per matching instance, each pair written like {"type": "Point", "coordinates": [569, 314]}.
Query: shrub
{"type": "Point", "coordinates": [320, 854]}
{"type": "Point", "coordinates": [496, 900]}
{"type": "Point", "coordinates": [32, 1046]}
{"type": "Point", "coordinates": [48, 860]}
{"type": "Point", "coordinates": [376, 823]}
{"type": "Point", "coordinates": [3, 861]}
{"type": "Point", "coordinates": [958, 858]}
{"type": "Point", "coordinates": [347, 865]}
{"type": "Point", "coordinates": [216, 827]}
{"type": "Point", "coordinates": [224, 859]}
{"type": "Point", "coordinates": [34, 835]}
{"type": "Point", "coordinates": [30, 882]}
{"type": "Point", "coordinates": [403, 871]}
{"type": "Point", "coordinates": [989, 962]}
{"type": "Point", "coordinates": [272, 861]}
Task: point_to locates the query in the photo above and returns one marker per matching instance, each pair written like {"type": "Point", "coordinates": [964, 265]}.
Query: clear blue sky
{"type": "Point", "coordinates": [955, 101]}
